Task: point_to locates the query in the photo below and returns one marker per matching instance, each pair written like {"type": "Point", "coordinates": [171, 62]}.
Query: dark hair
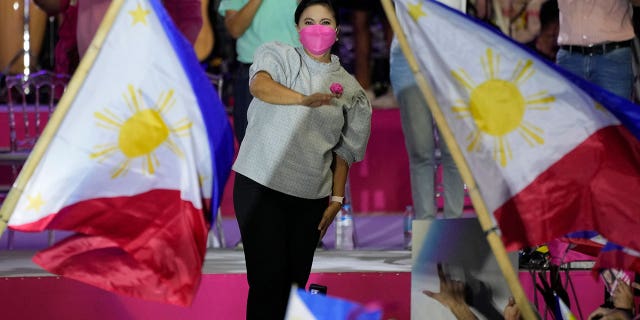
{"type": "Point", "coordinates": [307, 3]}
{"type": "Point", "coordinates": [549, 13]}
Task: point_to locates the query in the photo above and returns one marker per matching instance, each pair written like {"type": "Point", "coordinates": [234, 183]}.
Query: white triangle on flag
{"type": "Point", "coordinates": [297, 309]}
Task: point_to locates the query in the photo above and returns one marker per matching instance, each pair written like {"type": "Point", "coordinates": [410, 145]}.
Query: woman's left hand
{"type": "Point", "coordinates": [327, 217]}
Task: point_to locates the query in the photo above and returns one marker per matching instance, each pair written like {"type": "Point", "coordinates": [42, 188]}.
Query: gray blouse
{"type": "Point", "coordinates": [289, 148]}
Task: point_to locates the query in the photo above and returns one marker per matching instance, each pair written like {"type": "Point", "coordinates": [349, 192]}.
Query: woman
{"type": "Point", "coordinates": [300, 141]}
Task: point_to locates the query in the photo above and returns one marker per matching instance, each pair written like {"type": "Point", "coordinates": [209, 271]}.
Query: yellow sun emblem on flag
{"type": "Point", "coordinates": [141, 134]}
{"type": "Point", "coordinates": [498, 106]}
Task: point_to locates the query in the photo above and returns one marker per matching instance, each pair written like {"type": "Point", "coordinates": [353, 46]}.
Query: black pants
{"type": "Point", "coordinates": [242, 98]}
{"type": "Point", "coordinates": [279, 234]}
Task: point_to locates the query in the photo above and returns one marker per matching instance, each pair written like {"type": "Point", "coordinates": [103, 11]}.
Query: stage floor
{"type": "Point", "coordinates": [17, 263]}
{"type": "Point", "coordinates": [373, 276]}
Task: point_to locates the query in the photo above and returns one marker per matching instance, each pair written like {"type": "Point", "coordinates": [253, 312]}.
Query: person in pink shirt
{"type": "Point", "coordinates": [82, 19]}
{"type": "Point", "coordinates": [595, 42]}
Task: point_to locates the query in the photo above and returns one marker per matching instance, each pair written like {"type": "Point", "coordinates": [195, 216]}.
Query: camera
{"type": "Point", "coordinates": [315, 288]}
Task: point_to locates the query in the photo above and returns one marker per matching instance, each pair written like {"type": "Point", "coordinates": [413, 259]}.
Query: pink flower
{"type": "Point", "coordinates": [336, 88]}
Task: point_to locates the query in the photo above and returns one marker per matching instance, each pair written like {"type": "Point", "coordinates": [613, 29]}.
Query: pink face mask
{"type": "Point", "coordinates": [317, 38]}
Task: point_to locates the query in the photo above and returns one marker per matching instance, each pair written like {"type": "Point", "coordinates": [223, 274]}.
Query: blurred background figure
{"type": "Point", "coordinates": [253, 23]}
{"type": "Point", "coordinates": [81, 19]}
{"type": "Point", "coordinates": [364, 15]}
{"type": "Point", "coordinates": [11, 36]}
{"type": "Point", "coordinates": [546, 42]}
{"type": "Point", "coordinates": [420, 136]}
{"type": "Point", "coordinates": [519, 19]}
{"type": "Point", "coordinates": [523, 18]}
{"type": "Point", "coordinates": [595, 42]}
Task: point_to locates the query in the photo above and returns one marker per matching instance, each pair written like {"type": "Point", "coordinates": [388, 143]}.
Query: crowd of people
{"type": "Point", "coordinates": [301, 119]}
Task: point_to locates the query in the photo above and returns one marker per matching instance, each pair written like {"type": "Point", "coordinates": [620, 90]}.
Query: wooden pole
{"type": "Point", "coordinates": [478, 203]}
{"type": "Point", "coordinates": [504, 23]}
{"type": "Point", "coordinates": [58, 115]}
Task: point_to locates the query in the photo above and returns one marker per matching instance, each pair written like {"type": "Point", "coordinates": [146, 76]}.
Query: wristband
{"type": "Point", "coordinates": [337, 199]}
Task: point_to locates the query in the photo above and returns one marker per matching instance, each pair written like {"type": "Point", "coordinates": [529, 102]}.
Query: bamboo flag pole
{"type": "Point", "coordinates": [504, 23]}
{"type": "Point", "coordinates": [58, 115]}
{"type": "Point", "coordinates": [478, 203]}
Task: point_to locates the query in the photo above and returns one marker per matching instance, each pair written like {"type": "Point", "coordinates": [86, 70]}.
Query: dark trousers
{"type": "Point", "coordinates": [279, 234]}
{"type": "Point", "coordinates": [241, 99]}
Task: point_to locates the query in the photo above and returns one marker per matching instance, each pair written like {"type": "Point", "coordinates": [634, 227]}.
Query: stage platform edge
{"type": "Point", "coordinates": [382, 278]}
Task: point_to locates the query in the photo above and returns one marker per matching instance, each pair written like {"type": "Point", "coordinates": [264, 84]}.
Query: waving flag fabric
{"type": "Point", "coordinates": [306, 306]}
{"type": "Point", "coordinates": [614, 256]}
{"type": "Point", "coordinates": [608, 255]}
{"type": "Point", "coordinates": [563, 312]}
{"type": "Point", "coordinates": [582, 242]}
{"type": "Point", "coordinates": [551, 153]}
{"type": "Point", "coordinates": [137, 164]}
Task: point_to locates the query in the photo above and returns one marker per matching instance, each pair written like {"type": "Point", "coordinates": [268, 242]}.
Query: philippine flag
{"type": "Point", "coordinates": [133, 160]}
{"type": "Point", "coordinates": [613, 256]}
{"type": "Point", "coordinates": [306, 306]}
{"type": "Point", "coordinates": [551, 153]}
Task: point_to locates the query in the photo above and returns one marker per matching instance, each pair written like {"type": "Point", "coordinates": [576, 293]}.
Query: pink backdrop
{"type": "Point", "coordinates": [220, 296]}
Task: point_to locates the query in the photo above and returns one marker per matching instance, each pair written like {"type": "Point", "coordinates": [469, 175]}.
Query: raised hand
{"type": "Point", "coordinates": [451, 295]}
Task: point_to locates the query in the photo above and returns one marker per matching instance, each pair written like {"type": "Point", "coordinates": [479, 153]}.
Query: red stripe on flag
{"type": "Point", "coordinates": [584, 246]}
{"type": "Point", "coordinates": [593, 187]}
{"type": "Point", "coordinates": [149, 246]}
{"type": "Point", "coordinates": [617, 259]}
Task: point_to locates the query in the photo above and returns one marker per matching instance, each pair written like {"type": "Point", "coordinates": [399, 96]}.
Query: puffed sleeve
{"type": "Point", "coordinates": [281, 61]}
{"type": "Point", "coordinates": [355, 133]}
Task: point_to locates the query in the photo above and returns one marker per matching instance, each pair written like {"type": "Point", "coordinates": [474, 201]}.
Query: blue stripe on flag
{"type": "Point", "coordinates": [587, 235]}
{"type": "Point", "coordinates": [213, 113]}
{"type": "Point", "coordinates": [610, 246]}
{"type": "Point", "coordinates": [330, 308]}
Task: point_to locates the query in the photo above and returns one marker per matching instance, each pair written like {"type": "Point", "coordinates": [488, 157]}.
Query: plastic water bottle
{"type": "Point", "coordinates": [407, 218]}
{"type": "Point", "coordinates": [344, 228]}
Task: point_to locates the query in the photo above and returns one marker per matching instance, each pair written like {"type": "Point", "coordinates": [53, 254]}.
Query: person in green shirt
{"type": "Point", "coordinates": [253, 23]}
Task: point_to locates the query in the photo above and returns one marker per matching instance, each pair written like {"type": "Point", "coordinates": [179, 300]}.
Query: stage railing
{"type": "Point", "coordinates": [30, 101]}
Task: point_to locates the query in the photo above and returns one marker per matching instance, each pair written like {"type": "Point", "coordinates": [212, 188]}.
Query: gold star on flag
{"type": "Point", "coordinates": [34, 202]}
{"type": "Point", "coordinates": [139, 15]}
{"type": "Point", "coordinates": [416, 11]}
{"type": "Point", "coordinates": [202, 179]}
{"type": "Point", "coordinates": [604, 111]}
